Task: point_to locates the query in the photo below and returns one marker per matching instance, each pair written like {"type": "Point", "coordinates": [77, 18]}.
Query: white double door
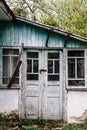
{"type": "Point", "coordinates": [43, 86]}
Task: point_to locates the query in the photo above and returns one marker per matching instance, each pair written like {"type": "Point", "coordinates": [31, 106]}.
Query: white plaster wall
{"type": "Point", "coordinates": [76, 106]}
{"type": "Point", "coordinates": [8, 100]}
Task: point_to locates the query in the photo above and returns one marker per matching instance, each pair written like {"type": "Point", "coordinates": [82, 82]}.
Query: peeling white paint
{"type": "Point", "coordinates": [8, 100]}
{"type": "Point", "coordinates": [76, 106]}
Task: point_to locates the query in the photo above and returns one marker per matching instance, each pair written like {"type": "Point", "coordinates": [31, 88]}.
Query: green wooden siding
{"type": "Point", "coordinates": [0, 66]}
{"type": "Point", "coordinates": [17, 32]}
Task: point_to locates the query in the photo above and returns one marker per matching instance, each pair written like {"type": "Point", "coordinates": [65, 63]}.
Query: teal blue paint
{"type": "Point", "coordinates": [14, 33]}
{"type": "Point", "coordinates": [0, 65]}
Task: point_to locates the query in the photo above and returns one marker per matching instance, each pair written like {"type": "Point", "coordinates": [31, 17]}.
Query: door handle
{"type": "Point", "coordinates": [42, 70]}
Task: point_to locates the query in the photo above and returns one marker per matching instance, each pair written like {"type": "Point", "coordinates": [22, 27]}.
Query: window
{"type": "Point", "coordinates": [32, 66]}
{"type": "Point", "coordinates": [53, 66]}
{"type": "Point", "coordinates": [9, 61]}
{"type": "Point", "coordinates": [76, 68]}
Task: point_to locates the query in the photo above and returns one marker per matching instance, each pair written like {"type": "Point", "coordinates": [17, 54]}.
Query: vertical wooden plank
{"type": "Point", "coordinates": [33, 37]}
{"type": "Point", "coordinates": [0, 66]}
{"type": "Point", "coordinates": [85, 61]}
{"type": "Point", "coordinates": [4, 33]}
{"type": "Point", "coordinates": [44, 85]}
{"type": "Point", "coordinates": [61, 84]}
{"type": "Point", "coordinates": [16, 34]}
{"type": "Point", "coordinates": [29, 35]}
{"type": "Point", "coordinates": [12, 34]}
{"type": "Point", "coordinates": [40, 84]}
{"type": "Point", "coordinates": [22, 101]}
{"type": "Point", "coordinates": [24, 34]}
{"type": "Point", "coordinates": [20, 33]}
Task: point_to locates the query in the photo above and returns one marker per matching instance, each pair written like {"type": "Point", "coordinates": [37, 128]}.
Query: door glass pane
{"type": "Point", "coordinates": [71, 68]}
{"type": "Point", "coordinates": [53, 66]}
{"type": "Point", "coordinates": [35, 66]}
{"type": "Point", "coordinates": [53, 77]}
{"type": "Point", "coordinates": [29, 65]}
{"type": "Point", "coordinates": [80, 68]}
{"type": "Point", "coordinates": [56, 67]}
{"type": "Point", "coordinates": [50, 66]}
{"type": "Point", "coordinates": [32, 65]}
{"type": "Point", "coordinates": [32, 76]}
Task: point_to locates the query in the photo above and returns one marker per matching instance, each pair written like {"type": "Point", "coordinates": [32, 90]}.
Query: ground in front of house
{"type": "Point", "coordinates": [12, 122]}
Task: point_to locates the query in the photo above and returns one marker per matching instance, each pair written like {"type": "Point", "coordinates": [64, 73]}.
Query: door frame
{"type": "Point", "coordinates": [23, 91]}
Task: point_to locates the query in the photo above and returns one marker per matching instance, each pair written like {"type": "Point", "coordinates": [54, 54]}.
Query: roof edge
{"type": "Point", "coordinates": [78, 37]}
{"type": "Point", "coordinates": [9, 11]}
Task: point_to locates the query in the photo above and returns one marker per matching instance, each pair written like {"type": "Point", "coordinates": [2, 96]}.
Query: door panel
{"type": "Point", "coordinates": [33, 90]}
{"type": "Point", "coordinates": [44, 92]}
{"type": "Point", "coordinates": [53, 104]}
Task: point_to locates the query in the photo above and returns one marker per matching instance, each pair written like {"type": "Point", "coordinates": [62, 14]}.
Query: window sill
{"type": "Point", "coordinates": [76, 88]}
{"type": "Point", "coordinates": [13, 87]}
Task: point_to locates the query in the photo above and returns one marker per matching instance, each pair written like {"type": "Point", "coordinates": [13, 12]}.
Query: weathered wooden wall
{"type": "Point", "coordinates": [17, 32]}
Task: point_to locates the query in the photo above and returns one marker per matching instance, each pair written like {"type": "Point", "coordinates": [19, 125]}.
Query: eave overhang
{"type": "Point", "coordinates": [47, 27]}
{"type": "Point", "coordinates": [5, 12]}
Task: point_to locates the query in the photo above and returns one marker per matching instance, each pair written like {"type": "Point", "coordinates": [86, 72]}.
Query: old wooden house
{"type": "Point", "coordinates": [43, 70]}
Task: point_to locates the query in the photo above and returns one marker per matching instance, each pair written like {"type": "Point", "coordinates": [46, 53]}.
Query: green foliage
{"type": "Point", "coordinates": [4, 128]}
{"type": "Point", "coordinates": [41, 121]}
{"type": "Point", "coordinates": [27, 122]}
{"type": "Point", "coordinates": [75, 127]}
{"type": "Point", "coordinates": [68, 15]}
{"type": "Point", "coordinates": [32, 128]}
{"type": "Point", "coordinates": [69, 128]}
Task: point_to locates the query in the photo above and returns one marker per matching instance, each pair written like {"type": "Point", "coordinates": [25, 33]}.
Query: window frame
{"type": "Point", "coordinates": [32, 81]}
{"type": "Point", "coordinates": [83, 79]}
{"type": "Point", "coordinates": [14, 86]}
{"type": "Point", "coordinates": [53, 61]}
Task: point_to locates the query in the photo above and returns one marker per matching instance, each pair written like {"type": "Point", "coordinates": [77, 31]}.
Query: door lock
{"type": "Point", "coordinates": [42, 70]}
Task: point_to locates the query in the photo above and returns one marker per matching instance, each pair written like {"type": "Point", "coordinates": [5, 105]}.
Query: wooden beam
{"type": "Point", "coordinates": [48, 36]}
{"type": "Point", "coordinates": [14, 74]}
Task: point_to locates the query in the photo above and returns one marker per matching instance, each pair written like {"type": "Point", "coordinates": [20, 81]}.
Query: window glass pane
{"type": "Point", "coordinates": [53, 55]}
{"type": "Point", "coordinates": [71, 68]}
{"type": "Point", "coordinates": [35, 66]}
{"type": "Point", "coordinates": [32, 54]}
{"type": "Point", "coordinates": [10, 59]}
{"type": "Point", "coordinates": [76, 53]}
{"type": "Point", "coordinates": [50, 66]}
{"type": "Point", "coordinates": [16, 81]}
{"type": "Point", "coordinates": [80, 68]}
{"type": "Point", "coordinates": [32, 76]}
{"type": "Point", "coordinates": [53, 77]}
{"type": "Point", "coordinates": [29, 65]}
{"type": "Point", "coordinates": [5, 80]}
{"type": "Point", "coordinates": [76, 82]}
{"type": "Point", "coordinates": [6, 66]}
{"type": "Point", "coordinates": [14, 61]}
{"type": "Point", "coordinates": [56, 67]}
{"type": "Point", "coordinates": [10, 51]}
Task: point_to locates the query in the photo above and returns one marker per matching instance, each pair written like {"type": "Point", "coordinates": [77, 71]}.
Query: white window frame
{"type": "Point", "coordinates": [32, 81]}
{"type": "Point", "coordinates": [75, 86]}
{"type": "Point", "coordinates": [13, 85]}
{"type": "Point", "coordinates": [53, 66]}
